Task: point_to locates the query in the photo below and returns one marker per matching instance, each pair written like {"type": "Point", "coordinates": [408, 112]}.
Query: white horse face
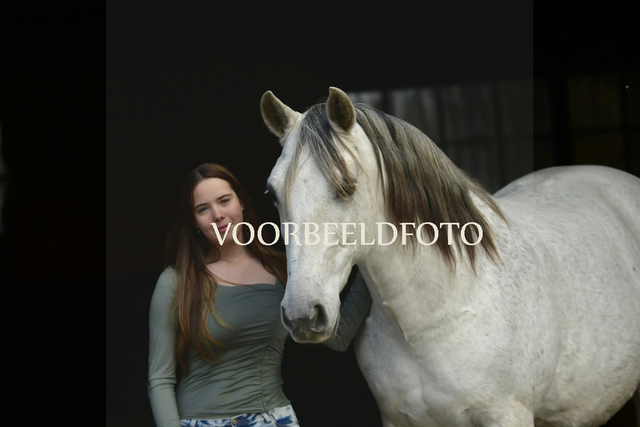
{"type": "Point", "coordinates": [329, 227]}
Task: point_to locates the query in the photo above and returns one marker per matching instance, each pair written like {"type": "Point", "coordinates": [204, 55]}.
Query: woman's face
{"type": "Point", "coordinates": [215, 202]}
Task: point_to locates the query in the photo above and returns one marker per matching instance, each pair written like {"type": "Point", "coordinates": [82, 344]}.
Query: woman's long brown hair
{"type": "Point", "coordinates": [188, 252]}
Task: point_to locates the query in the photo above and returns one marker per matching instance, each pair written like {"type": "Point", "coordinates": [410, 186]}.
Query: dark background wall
{"type": "Point", "coordinates": [183, 84]}
{"type": "Point", "coordinates": [52, 192]}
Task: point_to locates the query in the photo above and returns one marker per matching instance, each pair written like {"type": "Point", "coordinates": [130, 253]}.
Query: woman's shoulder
{"type": "Point", "coordinates": [164, 291]}
{"type": "Point", "coordinates": [168, 278]}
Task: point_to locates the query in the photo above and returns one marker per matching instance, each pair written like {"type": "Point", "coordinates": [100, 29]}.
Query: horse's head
{"type": "Point", "coordinates": [321, 190]}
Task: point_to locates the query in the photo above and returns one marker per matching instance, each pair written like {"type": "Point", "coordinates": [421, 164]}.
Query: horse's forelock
{"type": "Point", "coordinates": [325, 146]}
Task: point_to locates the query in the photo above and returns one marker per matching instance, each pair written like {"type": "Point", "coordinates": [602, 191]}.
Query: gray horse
{"type": "Point", "coordinates": [529, 316]}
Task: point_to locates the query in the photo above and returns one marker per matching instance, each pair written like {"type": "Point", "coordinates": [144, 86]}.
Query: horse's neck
{"type": "Point", "coordinates": [418, 290]}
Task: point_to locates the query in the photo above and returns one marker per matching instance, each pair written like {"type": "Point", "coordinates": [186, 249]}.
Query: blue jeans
{"type": "Point", "coordinates": [278, 417]}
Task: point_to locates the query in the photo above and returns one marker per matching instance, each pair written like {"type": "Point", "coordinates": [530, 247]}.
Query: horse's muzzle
{"type": "Point", "coordinates": [309, 329]}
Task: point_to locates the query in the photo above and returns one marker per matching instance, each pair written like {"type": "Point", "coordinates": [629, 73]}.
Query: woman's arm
{"type": "Point", "coordinates": [162, 354]}
{"type": "Point", "coordinates": [353, 311]}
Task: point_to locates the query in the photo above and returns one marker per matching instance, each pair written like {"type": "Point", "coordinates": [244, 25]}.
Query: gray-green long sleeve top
{"type": "Point", "coordinates": [247, 377]}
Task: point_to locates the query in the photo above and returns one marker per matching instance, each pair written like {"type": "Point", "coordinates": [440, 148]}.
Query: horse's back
{"type": "Point", "coordinates": [593, 194]}
{"type": "Point", "coordinates": [584, 225]}
{"type": "Point", "coordinates": [572, 181]}
{"type": "Point", "coordinates": [586, 219]}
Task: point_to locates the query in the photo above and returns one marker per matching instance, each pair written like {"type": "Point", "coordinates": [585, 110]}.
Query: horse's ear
{"type": "Point", "coordinates": [342, 115]}
{"type": "Point", "coordinates": [277, 116]}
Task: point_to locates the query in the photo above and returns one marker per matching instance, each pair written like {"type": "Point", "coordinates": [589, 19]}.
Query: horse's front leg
{"type": "Point", "coordinates": [515, 415]}
{"type": "Point", "coordinates": [426, 422]}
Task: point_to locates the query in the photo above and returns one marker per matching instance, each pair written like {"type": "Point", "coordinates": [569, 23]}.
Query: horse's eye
{"type": "Point", "coordinates": [272, 194]}
{"type": "Point", "coordinates": [346, 189]}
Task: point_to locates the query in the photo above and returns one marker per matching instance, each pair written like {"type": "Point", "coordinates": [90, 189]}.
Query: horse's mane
{"type": "Point", "coordinates": [423, 184]}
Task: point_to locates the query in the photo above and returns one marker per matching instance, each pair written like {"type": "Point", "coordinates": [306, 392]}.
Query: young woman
{"type": "Point", "coordinates": [216, 338]}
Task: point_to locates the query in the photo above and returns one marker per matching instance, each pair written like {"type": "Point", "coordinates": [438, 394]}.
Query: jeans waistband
{"type": "Point", "coordinates": [268, 418]}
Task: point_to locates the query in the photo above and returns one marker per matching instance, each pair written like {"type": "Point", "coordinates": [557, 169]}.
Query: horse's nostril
{"type": "Point", "coordinates": [320, 319]}
{"type": "Point", "coordinates": [315, 322]}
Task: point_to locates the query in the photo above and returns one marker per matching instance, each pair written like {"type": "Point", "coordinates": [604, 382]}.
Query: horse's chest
{"type": "Point", "coordinates": [393, 375]}
{"type": "Point", "coordinates": [407, 389]}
